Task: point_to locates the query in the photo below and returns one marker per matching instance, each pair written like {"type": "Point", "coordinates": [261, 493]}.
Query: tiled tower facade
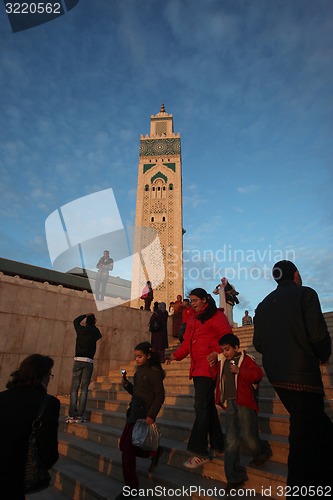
{"type": "Point", "coordinates": [159, 207]}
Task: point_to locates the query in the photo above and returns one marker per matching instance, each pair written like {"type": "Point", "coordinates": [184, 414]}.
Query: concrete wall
{"type": "Point", "coordinates": [38, 317]}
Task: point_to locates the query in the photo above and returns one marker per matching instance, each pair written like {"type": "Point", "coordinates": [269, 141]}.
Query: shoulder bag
{"type": "Point", "coordinates": [36, 476]}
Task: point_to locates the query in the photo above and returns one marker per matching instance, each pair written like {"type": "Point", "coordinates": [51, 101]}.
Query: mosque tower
{"type": "Point", "coordinates": [159, 207]}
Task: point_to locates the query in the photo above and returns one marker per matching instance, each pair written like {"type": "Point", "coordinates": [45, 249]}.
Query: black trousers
{"type": "Point", "coordinates": [207, 427]}
{"type": "Point", "coordinates": [310, 461]}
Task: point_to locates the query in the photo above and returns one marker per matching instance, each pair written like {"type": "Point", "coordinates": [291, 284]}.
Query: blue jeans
{"type": "Point", "coordinates": [207, 423]}
{"type": "Point", "coordinates": [241, 422]}
{"type": "Point", "coordinates": [82, 372]}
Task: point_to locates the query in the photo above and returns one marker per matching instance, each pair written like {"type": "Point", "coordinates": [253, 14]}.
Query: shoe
{"type": "Point", "coordinates": [256, 462]}
{"type": "Point", "coordinates": [70, 420]}
{"type": "Point", "coordinates": [81, 420]}
{"type": "Point", "coordinates": [155, 459]}
{"type": "Point", "coordinates": [194, 462]}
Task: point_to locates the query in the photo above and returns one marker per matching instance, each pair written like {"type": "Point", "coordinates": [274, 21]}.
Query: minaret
{"type": "Point", "coordinates": [159, 207]}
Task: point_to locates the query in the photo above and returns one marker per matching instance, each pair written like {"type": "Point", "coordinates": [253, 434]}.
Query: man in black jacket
{"type": "Point", "coordinates": [291, 333]}
{"type": "Point", "coordinates": [86, 339]}
{"type": "Point", "coordinates": [104, 265]}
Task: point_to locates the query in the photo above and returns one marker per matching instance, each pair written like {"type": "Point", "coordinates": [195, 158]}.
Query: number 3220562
{"type": "Point", "coordinates": [33, 8]}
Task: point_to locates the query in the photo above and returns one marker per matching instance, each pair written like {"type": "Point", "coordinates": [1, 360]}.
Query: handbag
{"type": "Point", "coordinates": [36, 476]}
{"type": "Point", "coordinates": [146, 436]}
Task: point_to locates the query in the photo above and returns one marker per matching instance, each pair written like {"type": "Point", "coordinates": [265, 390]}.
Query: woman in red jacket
{"type": "Point", "coordinates": [201, 339]}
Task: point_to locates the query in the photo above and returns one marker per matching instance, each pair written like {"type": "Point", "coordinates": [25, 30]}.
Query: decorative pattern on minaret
{"type": "Point", "coordinates": [153, 147]}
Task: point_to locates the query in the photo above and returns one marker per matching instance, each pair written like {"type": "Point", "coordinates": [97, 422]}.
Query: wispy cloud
{"type": "Point", "coordinates": [251, 188]}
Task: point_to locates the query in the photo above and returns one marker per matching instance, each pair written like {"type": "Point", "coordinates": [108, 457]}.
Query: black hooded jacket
{"type": "Point", "coordinates": [291, 333]}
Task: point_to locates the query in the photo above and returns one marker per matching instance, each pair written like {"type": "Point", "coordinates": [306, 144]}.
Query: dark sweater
{"type": "Point", "coordinates": [148, 393]}
{"type": "Point", "coordinates": [86, 338]}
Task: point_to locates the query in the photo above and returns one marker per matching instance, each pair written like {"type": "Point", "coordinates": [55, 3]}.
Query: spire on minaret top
{"type": "Point", "coordinates": [161, 123]}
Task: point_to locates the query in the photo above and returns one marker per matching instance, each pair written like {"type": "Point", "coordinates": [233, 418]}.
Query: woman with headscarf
{"type": "Point", "coordinates": [159, 337]}
{"type": "Point", "coordinates": [227, 294]}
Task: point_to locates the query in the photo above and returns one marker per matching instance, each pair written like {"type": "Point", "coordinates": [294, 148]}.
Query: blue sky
{"type": "Point", "coordinates": [249, 84]}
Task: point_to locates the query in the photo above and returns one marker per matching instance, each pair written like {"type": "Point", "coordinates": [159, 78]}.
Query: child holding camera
{"type": "Point", "coordinates": [147, 393]}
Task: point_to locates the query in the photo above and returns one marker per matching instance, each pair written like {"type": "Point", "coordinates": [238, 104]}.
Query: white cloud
{"type": "Point", "coordinates": [251, 188]}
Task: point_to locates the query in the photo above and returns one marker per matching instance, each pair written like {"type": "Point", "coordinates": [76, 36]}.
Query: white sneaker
{"type": "Point", "coordinates": [70, 420]}
{"type": "Point", "coordinates": [80, 420]}
{"type": "Point", "coordinates": [194, 462]}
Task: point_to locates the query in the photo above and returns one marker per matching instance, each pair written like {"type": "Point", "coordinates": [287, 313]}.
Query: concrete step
{"type": "Point", "coordinates": [170, 473]}
{"type": "Point", "coordinates": [78, 481]}
{"type": "Point", "coordinates": [50, 493]}
{"type": "Point", "coordinates": [176, 422]}
{"type": "Point", "coordinates": [177, 385]}
{"type": "Point", "coordinates": [103, 399]}
{"type": "Point", "coordinates": [105, 427]}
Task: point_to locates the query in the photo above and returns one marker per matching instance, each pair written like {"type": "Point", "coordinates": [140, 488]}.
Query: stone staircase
{"type": "Point", "coordinates": [90, 464]}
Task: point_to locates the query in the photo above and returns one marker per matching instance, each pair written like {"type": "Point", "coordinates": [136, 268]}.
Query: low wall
{"type": "Point", "coordinates": [38, 317]}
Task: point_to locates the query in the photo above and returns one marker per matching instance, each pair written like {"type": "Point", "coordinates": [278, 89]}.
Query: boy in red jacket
{"type": "Point", "coordinates": [239, 375]}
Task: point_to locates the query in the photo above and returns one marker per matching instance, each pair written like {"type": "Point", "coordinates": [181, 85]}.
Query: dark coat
{"type": "Point", "coordinates": [148, 393]}
{"type": "Point", "coordinates": [18, 408]}
{"type": "Point", "coordinates": [159, 339]}
{"type": "Point", "coordinates": [291, 333]}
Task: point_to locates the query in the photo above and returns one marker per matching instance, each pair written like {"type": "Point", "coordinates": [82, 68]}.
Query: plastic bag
{"type": "Point", "coordinates": [146, 436]}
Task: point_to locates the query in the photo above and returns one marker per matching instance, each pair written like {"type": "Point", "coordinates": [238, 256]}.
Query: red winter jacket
{"type": "Point", "coordinates": [200, 339]}
{"type": "Point", "coordinates": [250, 374]}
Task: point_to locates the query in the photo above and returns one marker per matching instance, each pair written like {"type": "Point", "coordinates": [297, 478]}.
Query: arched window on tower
{"type": "Point", "coordinates": [171, 187]}
{"type": "Point", "coordinates": [152, 219]}
{"type": "Point", "coordinates": [146, 187]}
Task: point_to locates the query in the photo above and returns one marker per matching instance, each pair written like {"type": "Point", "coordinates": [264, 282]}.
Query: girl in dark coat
{"type": "Point", "coordinates": [147, 393]}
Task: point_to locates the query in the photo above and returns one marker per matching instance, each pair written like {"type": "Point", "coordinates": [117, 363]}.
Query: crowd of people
{"type": "Point", "coordinates": [289, 331]}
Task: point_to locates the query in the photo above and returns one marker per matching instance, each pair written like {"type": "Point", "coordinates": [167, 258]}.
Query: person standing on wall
{"type": "Point", "coordinates": [147, 295]}
{"type": "Point", "coordinates": [228, 298]}
{"type": "Point", "coordinates": [86, 339]}
{"type": "Point", "coordinates": [104, 265]}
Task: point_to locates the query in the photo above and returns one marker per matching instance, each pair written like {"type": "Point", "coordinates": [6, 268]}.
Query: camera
{"type": "Point", "coordinates": [123, 372]}
{"type": "Point", "coordinates": [232, 362]}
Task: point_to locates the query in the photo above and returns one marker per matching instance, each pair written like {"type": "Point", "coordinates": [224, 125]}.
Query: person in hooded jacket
{"type": "Point", "coordinates": [203, 332]}
{"type": "Point", "coordinates": [291, 333]}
